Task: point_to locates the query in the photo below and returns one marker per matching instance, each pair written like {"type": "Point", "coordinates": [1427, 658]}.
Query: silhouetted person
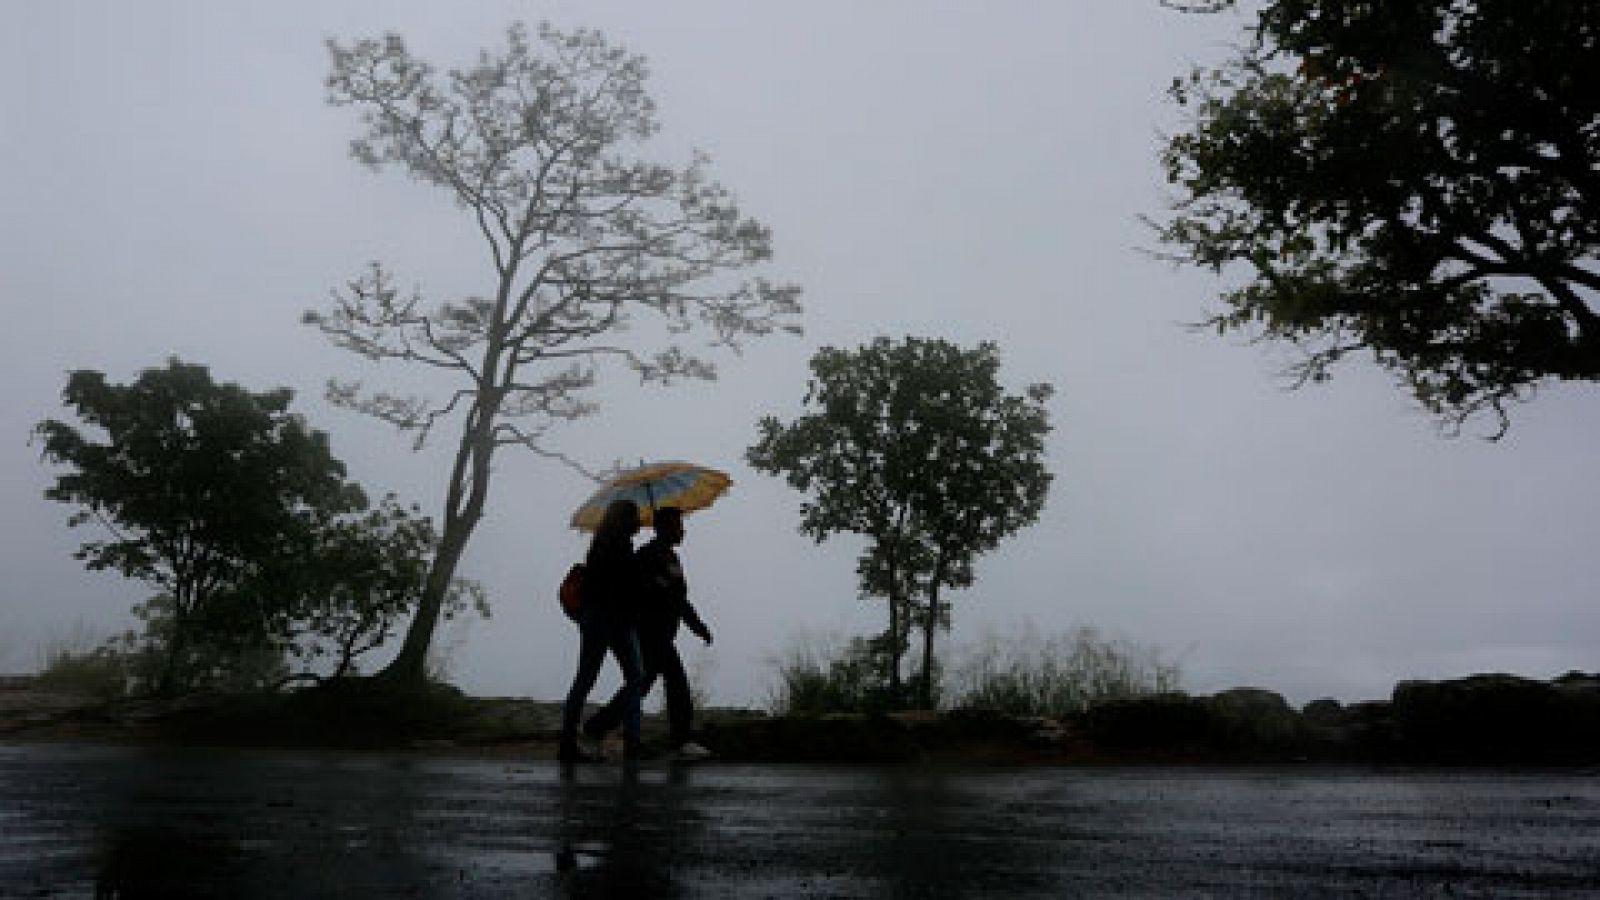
{"type": "Point", "coordinates": [605, 622]}
{"type": "Point", "coordinates": [663, 605]}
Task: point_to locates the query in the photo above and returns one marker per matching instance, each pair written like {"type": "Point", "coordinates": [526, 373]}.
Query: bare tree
{"type": "Point", "coordinates": [541, 145]}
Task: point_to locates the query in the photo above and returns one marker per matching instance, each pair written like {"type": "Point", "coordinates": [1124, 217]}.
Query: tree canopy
{"type": "Point", "coordinates": [204, 489]}
{"type": "Point", "coordinates": [361, 574]}
{"type": "Point", "coordinates": [1419, 181]}
{"type": "Point", "coordinates": [916, 445]}
{"type": "Point", "coordinates": [594, 254]}
{"type": "Point", "coordinates": [238, 514]}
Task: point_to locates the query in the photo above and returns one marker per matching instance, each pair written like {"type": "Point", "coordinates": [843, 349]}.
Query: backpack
{"type": "Point", "coordinates": [571, 593]}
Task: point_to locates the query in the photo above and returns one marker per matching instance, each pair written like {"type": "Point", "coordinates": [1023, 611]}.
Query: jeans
{"type": "Point", "coordinates": [597, 634]}
{"type": "Point", "coordinates": [660, 655]}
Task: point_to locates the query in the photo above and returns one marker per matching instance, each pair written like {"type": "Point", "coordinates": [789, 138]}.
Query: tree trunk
{"type": "Point", "coordinates": [410, 666]}
{"type": "Point", "coordinates": [177, 640]}
{"type": "Point", "coordinates": [894, 644]}
{"type": "Point", "coordinates": [929, 625]}
{"type": "Point", "coordinates": [169, 668]}
{"type": "Point", "coordinates": [899, 612]}
{"type": "Point", "coordinates": [469, 485]}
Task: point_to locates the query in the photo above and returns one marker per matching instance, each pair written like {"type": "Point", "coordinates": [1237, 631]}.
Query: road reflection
{"type": "Point", "coordinates": [135, 823]}
{"type": "Point", "coordinates": [178, 824]}
{"type": "Point", "coordinates": [620, 829]}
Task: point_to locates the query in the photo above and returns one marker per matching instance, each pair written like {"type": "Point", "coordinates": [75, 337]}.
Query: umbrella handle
{"type": "Point", "coordinates": [649, 493]}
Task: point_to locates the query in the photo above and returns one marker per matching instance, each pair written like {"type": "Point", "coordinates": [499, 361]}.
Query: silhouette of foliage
{"type": "Point", "coordinates": [850, 679]}
{"type": "Point", "coordinates": [1030, 674]}
{"type": "Point", "coordinates": [915, 445]}
{"type": "Point", "coordinates": [1417, 181]}
{"type": "Point", "coordinates": [239, 515]}
{"type": "Point", "coordinates": [199, 484]}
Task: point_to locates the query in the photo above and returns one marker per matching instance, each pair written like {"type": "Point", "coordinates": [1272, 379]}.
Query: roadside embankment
{"type": "Point", "coordinates": [1489, 719]}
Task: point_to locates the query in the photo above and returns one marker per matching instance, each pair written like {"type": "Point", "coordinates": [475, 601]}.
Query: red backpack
{"type": "Point", "coordinates": [571, 592]}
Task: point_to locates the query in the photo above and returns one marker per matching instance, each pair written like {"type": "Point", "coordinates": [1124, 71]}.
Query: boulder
{"type": "Point", "coordinates": [1577, 683]}
{"type": "Point", "coordinates": [1170, 724]}
{"type": "Point", "coordinates": [1497, 719]}
{"type": "Point", "coordinates": [1259, 723]}
{"type": "Point", "coordinates": [1325, 713]}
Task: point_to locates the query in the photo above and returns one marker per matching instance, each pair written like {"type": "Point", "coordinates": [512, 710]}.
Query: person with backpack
{"type": "Point", "coordinates": [663, 605]}
{"type": "Point", "coordinates": [606, 622]}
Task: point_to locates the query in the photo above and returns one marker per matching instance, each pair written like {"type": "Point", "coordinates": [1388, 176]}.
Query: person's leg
{"type": "Point", "coordinates": [610, 715]}
{"type": "Point", "coordinates": [606, 717]}
{"type": "Point", "coordinates": [625, 647]}
{"type": "Point", "coordinates": [680, 703]}
{"type": "Point", "coordinates": [591, 653]}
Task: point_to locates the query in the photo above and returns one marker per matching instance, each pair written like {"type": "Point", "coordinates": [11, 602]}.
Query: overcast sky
{"type": "Point", "coordinates": [173, 183]}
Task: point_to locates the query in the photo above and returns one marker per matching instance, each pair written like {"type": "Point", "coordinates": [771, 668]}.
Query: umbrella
{"type": "Point", "coordinates": [685, 485]}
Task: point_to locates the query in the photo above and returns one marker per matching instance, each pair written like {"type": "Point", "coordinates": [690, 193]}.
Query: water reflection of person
{"type": "Point", "coordinates": [623, 837]}
{"type": "Point", "coordinates": [569, 817]}
{"type": "Point", "coordinates": [605, 622]}
{"type": "Point", "coordinates": [147, 860]}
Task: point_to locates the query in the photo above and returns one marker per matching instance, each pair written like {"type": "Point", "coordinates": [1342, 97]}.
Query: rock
{"type": "Point", "coordinates": [986, 723]}
{"type": "Point", "coordinates": [1259, 723]}
{"type": "Point", "coordinates": [1238, 725]}
{"type": "Point", "coordinates": [1577, 683]}
{"type": "Point", "coordinates": [1368, 735]}
{"type": "Point", "coordinates": [1170, 724]}
{"type": "Point", "coordinates": [1044, 731]}
{"type": "Point", "coordinates": [1253, 701]}
{"type": "Point", "coordinates": [1497, 718]}
{"type": "Point", "coordinates": [1325, 712]}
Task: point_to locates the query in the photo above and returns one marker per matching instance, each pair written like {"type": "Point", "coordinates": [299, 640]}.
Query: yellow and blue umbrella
{"type": "Point", "coordinates": [685, 485]}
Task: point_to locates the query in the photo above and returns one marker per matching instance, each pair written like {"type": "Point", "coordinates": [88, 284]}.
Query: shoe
{"type": "Point", "coordinates": [574, 753]}
{"type": "Point", "coordinates": [692, 750]}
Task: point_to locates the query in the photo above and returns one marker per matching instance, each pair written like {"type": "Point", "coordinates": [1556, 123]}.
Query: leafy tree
{"type": "Point", "coordinates": [915, 445]}
{"type": "Point", "coordinates": [362, 575]}
{"type": "Point", "coordinates": [308, 615]}
{"type": "Point", "coordinates": [1413, 180]}
{"type": "Point", "coordinates": [202, 486]}
{"type": "Point", "coordinates": [227, 645]}
{"type": "Point", "coordinates": [541, 146]}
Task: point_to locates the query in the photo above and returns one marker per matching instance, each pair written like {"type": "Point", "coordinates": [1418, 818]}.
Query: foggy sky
{"type": "Point", "coordinates": [174, 184]}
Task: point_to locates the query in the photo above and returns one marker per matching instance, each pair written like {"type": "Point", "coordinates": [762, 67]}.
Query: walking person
{"type": "Point", "coordinates": [663, 605]}
{"type": "Point", "coordinates": [606, 622]}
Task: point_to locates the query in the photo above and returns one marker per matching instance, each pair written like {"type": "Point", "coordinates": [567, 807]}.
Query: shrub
{"type": "Point", "coordinates": [1020, 674]}
{"type": "Point", "coordinates": [78, 663]}
{"type": "Point", "coordinates": [817, 675]}
{"type": "Point", "coordinates": [161, 656]}
{"type": "Point", "coordinates": [1025, 674]}
{"type": "Point", "coordinates": [101, 672]}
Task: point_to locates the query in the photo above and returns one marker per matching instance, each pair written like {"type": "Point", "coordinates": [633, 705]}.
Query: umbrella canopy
{"type": "Point", "coordinates": [685, 485]}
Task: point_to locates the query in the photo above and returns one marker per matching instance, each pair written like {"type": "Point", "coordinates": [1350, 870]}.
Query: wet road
{"type": "Point", "coordinates": [128, 822]}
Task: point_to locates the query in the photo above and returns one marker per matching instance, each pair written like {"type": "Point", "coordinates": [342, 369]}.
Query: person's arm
{"type": "Point", "coordinates": [680, 597]}
{"type": "Point", "coordinates": [693, 620]}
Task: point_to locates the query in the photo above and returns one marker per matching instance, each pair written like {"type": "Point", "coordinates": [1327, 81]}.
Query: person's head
{"type": "Point", "coordinates": [620, 522]}
{"type": "Point", "coordinates": [668, 524]}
